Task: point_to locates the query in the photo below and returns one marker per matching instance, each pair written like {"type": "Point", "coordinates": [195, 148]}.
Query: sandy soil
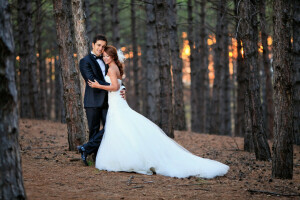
{"type": "Point", "coordinates": [51, 171]}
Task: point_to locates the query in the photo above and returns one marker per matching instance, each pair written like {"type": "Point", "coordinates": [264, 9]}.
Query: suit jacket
{"type": "Point", "coordinates": [90, 70]}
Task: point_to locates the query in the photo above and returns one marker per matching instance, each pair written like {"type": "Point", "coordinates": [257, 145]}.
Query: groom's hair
{"type": "Point", "coordinates": [99, 37]}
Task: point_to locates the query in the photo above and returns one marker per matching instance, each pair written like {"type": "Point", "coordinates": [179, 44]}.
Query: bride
{"type": "Point", "coordinates": [132, 143]}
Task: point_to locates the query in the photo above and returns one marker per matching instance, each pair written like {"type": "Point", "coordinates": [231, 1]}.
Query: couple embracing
{"type": "Point", "coordinates": [129, 141]}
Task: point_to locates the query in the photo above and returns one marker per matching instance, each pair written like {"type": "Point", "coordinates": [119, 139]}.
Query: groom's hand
{"type": "Point", "coordinates": [123, 93]}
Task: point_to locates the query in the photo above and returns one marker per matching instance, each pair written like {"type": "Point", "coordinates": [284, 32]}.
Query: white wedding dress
{"type": "Point", "coordinates": [132, 143]}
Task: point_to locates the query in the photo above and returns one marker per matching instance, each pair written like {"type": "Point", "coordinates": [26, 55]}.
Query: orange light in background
{"type": "Point", "coordinates": [270, 41]}
{"type": "Point", "coordinates": [75, 55]}
{"type": "Point", "coordinates": [123, 49]}
{"type": "Point", "coordinates": [37, 55]}
{"type": "Point", "coordinates": [131, 54]}
{"type": "Point", "coordinates": [186, 50]}
{"type": "Point", "coordinates": [184, 35]}
{"type": "Point", "coordinates": [18, 58]}
{"type": "Point", "coordinates": [209, 41]}
{"type": "Point", "coordinates": [261, 49]}
{"type": "Point", "coordinates": [242, 52]}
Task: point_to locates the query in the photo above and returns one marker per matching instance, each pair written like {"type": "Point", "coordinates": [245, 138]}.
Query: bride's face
{"type": "Point", "coordinates": [106, 58]}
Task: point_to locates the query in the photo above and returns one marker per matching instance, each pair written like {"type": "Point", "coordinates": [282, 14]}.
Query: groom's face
{"type": "Point", "coordinates": [98, 47]}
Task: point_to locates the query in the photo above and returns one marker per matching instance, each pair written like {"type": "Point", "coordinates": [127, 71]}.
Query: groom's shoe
{"type": "Point", "coordinates": [82, 151]}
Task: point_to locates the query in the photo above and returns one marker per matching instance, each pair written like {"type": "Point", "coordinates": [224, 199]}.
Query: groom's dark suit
{"type": "Point", "coordinates": [95, 101]}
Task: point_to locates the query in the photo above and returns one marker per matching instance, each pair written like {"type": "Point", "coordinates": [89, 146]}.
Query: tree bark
{"type": "Point", "coordinates": [115, 23]}
{"type": "Point", "coordinates": [179, 114]}
{"type": "Point", "coordinates": [29, 107]}
{"type": "Point", "coordinates": [267, 69]}
{"type": "Point", "coordinates": [249, 36]}
{"type": "Point", "coordinates": [50, 89]}
{"type": "Point", "coordinates": [240, 124]}
{"type": "Point", "coordinates": [194, 70]}
{"type": "Point", "coordinates": [41, 62]}
{"type": "Point", "coordinates": [282, 162]}
{"type": "Point", "coordinates": [70, 75]}
{"type": "Point", "coordinates": [135, 58]}
{"type": "Point", "coordinates": [217, 108]}
{"type": "Point", "coordinates": [226, 110]}
{"type": "Point", "coordinates": [166, 111]}
{"type": "Point", "coordinates": [11, 178]}
{"type": "Point", "coordinates": [203, 91]}
{"type": "Point", "coordinates": [296, 71]}
{"type": "Point", "coordinates": [153, 83]}
{"type": "Point", "coordinates": [82, 46]}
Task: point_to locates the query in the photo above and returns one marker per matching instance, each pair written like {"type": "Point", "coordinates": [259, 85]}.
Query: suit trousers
{"type": "Point", "coordinates": [94, 117]}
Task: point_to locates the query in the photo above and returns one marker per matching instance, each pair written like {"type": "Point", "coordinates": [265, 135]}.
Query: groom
{"type": "Point", "coordinates": [92, 67]}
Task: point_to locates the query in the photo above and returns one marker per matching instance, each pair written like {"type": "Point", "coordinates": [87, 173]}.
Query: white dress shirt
{"type": "Point", "coordinates": [101, 64]}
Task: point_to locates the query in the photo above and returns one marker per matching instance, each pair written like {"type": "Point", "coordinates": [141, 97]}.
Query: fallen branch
{"type": "Point", "coordinates": [129, 180]}
{"type": "Point", "coordinates": [271, 193]}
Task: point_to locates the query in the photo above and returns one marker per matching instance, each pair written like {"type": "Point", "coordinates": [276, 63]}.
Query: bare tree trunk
{"type": "Point", "coordinates": [82, 46]}
{"type": "Point", "coordinates": [41, 62]}
{"type": "Point", "coordinates": [296, 71]}
{"type": "Point", "coordinates": [85, 5]}
{"type": "Point", "coordinates": [11, 178]}
{"type": "Point", "coordinates": [226, 110]}
{"type": "Point", "coordinates": [115, 23]}
{"type": "Point", "coordinates": [50, 89]}
{"type": "Point", "coordinates": [203, 75]}
{"type": "Point", "coordinates": [166, 111]}
{"type": "Point", "coordinates": [179, 114]}
{"type": "Point", "coordinates": [267, 70]}
{"type": "Point", "coordinates": [28, 75]}
{"type": "Point", "coordinates": [59, 104]}
{"type": "Point", "coordinates": [282, 162]}
{"type": "Point", "coordinates": [194, 70]}
{"type": "Point", "coordinates": [135, 58]}
{"type": "Point", "coordinates": [241, 87]}
{"type": "Point", "coordinates": [70, 75]}
{"type": "Point", "coordinates": [153, 83]}
{"type": "Point", "coordinates": [249, 36]}
{"type": "Point", "coordinates": [217, 122]}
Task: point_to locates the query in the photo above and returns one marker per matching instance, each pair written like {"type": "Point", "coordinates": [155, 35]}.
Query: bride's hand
{"type": "Point", "coordinates": [93, 84]}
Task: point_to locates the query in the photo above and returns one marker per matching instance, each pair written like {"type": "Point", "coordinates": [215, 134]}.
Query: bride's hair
{"type": "Point", "coordinates": [112, 52]}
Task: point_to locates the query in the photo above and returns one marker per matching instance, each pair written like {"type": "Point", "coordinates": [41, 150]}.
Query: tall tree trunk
{"type": "Point", "coordinates": [115, 23]}
{"type": "Point", "coordinates": [70, 75]}
{"type": "Point", "coordinates": [50, 89]}
{"type": "Point", "coordinates": [166, 111]}
{"type": "Point", "coordinates": [179, 114]}
{"type": "Point", "coordinates": [226, 110]}
{"type": "Point", "coordinates": [194, 70]}
{"type": "Point", "coordinates": [282, 162]}
{"type": "Point", "coordinates": [82, 46]}
{"type": "Point", "coordinates": [217, 122]}
{"type": "Point", "coordinates": [249, 36]}
{"type": "Point", "coordinates": [296, 71]}
{"type": "Point", "coordinates": [267, 69]}
{"type": "Point", "coordinates": [11, 178]}
{"type": "Point", "coordinates": [41, 62]}
{"type": "Point", "coordinates": [135, 58]}
{"type": "Point", "coordinates": [153, 83]}
{"type": "Point", "coordinates": [203, 75]}
{"type": "Point", "coordinates": [241, 87]}
{"type": "Point", "coordinates": [85, 6]}
{"type": "Point", "coordinates": [28, 77]}
{"type": "Point", "coordinates": [59, 107]}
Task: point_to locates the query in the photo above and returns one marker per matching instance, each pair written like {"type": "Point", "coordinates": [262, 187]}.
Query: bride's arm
{"type": "Point", "coordinates": [114, 86]}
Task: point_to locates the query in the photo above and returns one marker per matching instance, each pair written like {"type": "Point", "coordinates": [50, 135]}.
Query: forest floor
{"type": "Point", "coordinates": [51, 171]}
